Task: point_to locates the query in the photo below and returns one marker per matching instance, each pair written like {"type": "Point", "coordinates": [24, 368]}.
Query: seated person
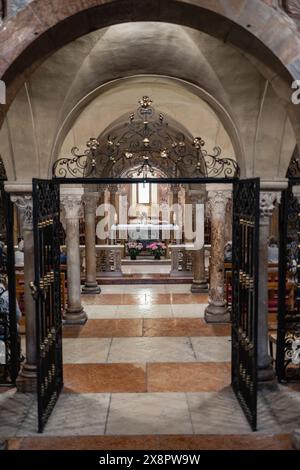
{"type": "Point", "coordinates": [228, 252]}
{"type": "Point", "coordinates": [63, 257]}
{"type": "Point", "coordinates": [19, 254]}
{"type": "Point", "coordinates": [4, 313]}
{"type": "Point", "coordinates": [273, 251]}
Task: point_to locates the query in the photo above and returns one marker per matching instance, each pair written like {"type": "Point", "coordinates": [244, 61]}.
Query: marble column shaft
{"type": "Point", "coordinates": [74, 313]}
{"type": "Point", "coordinates": [90, 201]}
{"type": "Point", "coordinates": [217, 312]}
{"type": "Point", "coordinates": [27, 379]}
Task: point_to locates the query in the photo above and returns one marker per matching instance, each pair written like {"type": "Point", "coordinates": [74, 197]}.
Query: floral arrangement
{"type": "Point", "coordinates": [134, 249]}
{"type": "Point", "coordinates": [157, 249]}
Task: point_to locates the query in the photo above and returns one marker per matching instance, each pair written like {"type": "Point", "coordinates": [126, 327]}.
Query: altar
{"type": "Point", "coordinates": [147, 231]}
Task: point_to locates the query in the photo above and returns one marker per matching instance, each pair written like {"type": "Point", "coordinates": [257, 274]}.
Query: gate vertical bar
{"type": "Point", "coordinates": [245, 295]}
{"type": "Point", "coordinates": [47, 296]}
{"type": "Point", "coordinates": [288, 333]}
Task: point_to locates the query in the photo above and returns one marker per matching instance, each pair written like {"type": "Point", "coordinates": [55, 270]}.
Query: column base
{"type": "Point", "coordinates": [216, 314]}
{"type": "Point", "coordinates": [74, 317]}
{"type": "Point", "coordinates": [199, 287]}
{"type": "Point", "coordinates": [266, 374]}
{"type": "Point", "coordinates": [91, 288]}
{"type": "Point", "coordinates": [27, 379]}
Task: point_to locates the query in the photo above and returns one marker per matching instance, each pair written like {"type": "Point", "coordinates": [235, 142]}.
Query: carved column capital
{"type": "Point", "coordinates": [72, 205]}
{"type": "Point", "coordinates": [90, 201]}
{"type": "Point", "coordinates": [113, 188]}
{"type": "Point", "coordinates": [198, 197]}
{"type": "Point", "coordinates": [101, 188]}
{"type": "Point", "coordinates": [175, 188]}
{"type": "Point", "coordinates": [267, 203]}
{"type": "Point", "coordinates": [24, 204]}
{"type": "Point", "coordinates": [217, 201]}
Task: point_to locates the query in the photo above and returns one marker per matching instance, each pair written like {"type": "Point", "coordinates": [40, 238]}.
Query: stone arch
{"type": "Point", "coordinates": [41, 28]}
{"type": "Point", "coordinates": [221, 112]}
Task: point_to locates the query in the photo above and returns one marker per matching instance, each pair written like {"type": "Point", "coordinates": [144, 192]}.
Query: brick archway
{"type": "Point", "coordinates": [43, 27]}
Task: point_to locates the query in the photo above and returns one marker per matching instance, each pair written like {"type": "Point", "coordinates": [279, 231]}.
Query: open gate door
{"type": "Point", "coordinates": [245, 295]}
{"type": "Point", "coordinates": [46, 290]}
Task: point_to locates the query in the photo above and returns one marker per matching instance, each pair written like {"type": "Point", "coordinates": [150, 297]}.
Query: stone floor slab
{"type": "Point", "coordinates": [85, 350]}
{"type": "Point", "coordinates": [217, 413]}
{"type": "Point", "coordinates": [151, 350]}
{"type": "Point", "coordinates": [212, 349]}
{"type": "Point", "coordinates": [148, 413]}
{"type": "Point", "coordinates": [73, 415]}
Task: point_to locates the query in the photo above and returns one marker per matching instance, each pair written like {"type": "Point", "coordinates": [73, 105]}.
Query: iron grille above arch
{"type": "Point", "coordinates": [145, 141]}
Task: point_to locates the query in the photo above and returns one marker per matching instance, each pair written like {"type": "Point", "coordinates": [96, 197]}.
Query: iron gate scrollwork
{"type": "Point", "coordinates": [245, 295]}
{"type": "Point", "coordinates": [288, 335]}
{"type": "Point", "coordinates": [46, 291]}
{"type": "Point", "coordinates": [10, 351]}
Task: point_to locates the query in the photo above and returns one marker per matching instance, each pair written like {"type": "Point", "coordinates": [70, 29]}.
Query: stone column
{"type": "Point", "coordinates": [27, 380]}
{"type": "Point", "coordinates": [217, 312]}
{"type": "Point", "coordinates": [199, 284]}
{"type": "Point", "coordinates": [90, 201]}
{"type": "Point", "coordinates": [265, 371]}
{"type": "Point", "coordinates": [71, 202]}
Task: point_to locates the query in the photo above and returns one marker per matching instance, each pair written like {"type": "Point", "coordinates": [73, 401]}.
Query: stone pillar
{"type": "Point", "coordinates": [27, 380]}
{"type": "Point", "coordinates": [90, 201]}
{"type": "Point", "coordinates": [265, 371]}
{"type": "Point", "coordinates": [199, 284]}
{"type": "Point", "coordinates": [71, 202]}
{"type": "Point", "coordinates": [217, 312]}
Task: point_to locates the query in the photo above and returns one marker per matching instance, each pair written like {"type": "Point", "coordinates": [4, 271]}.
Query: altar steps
{"type": "Point", "coordinates": [144, 279]}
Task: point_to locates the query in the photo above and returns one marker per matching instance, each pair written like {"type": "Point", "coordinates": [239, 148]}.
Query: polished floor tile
{"type": "Point", "coordinates": [178, 288]}
{"type": "Point", "coordinates": [74, 414]}
{"type": "Point", "coordinates": [188, 310]}
{"type": "Point", "coordinates": [194, 377]}
{"type": "Point", "coordinates": [149, 413]}
{"type": "Point", "coordinates": [145, 297]}
{"type": "Point", "coordinates": [212, 349]}
{"type": "Point", "coordinates": [144, 311]}
{"type": "Point", "coordinates": [182, 327]}
{"type": "Point", "coordinates": [217, 411]}
{"type": "Point", "coordinates": [85, 350]}
{"type": "Point", "coordinates": [189, 298]}
{"type": "Point", "coordinates": [106, 328]}
{"type": "Point", "coordinates": [151, 350]}
{"type": "Point", "coordinates": [97, 312]}
{"type": "Point", "coordinates": [105, 378]}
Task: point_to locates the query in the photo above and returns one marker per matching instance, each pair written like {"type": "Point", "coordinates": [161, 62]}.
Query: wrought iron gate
{"type": "Point", "coordinates": [10, 350]}
{"type": "Point", "coordinates": [288, 336]}
{"type": "Point", "coordinates": [46, 291]}
{"type": "Point", "coordinates": [245, 295]}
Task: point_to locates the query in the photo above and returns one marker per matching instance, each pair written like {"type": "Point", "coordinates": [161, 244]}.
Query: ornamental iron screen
{"type": "Point", "coordinates": [10, 351]}
{"type": "Point", "coordinates": [142, 142]}
{"type": "Point", "coordinates": [288, 334]}
{"type": "Point", "coordinates": [245, 295]}
{"type": "Point", "coordinates": [46, 292]}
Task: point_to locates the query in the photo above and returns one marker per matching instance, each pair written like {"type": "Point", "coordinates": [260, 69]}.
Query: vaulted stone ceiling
{"type": "Point", "coordinates": [237, 89]}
